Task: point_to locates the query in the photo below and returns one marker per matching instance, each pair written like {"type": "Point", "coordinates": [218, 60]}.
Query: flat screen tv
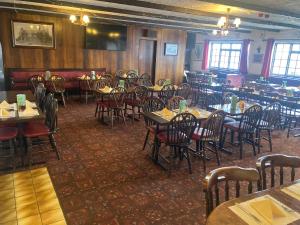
{"type": "Point", "coordinates": [106, 37]}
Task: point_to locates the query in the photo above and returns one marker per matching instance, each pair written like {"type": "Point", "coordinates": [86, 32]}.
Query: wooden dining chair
{"type": "Point", "coordinates": [270, 120]}
{"type": "Point", "coordinates": [115, 104]}
{"type": "Point", "coordinates": [145, 80]}
{"type": "Point", "coordinates": [166, 93]}
{"type": "Point", "coordinates": [34, 81]}
{"type": "Point", "coordinates": [135, 100]}
{"type": "Point", "coordinates": [151, 104]}
{"type": "Point", "coordinates": [184, 90]}
{"type": "Point", "coordinates": [246, 127]}
{"type": "Point", "coordinates": [33, 132]}
{"type": "Point", "coordinates": [209, 135]}
{"type": "Point", "coordinates": [132, 78]}
{"type": "Point", "coordinates": [224, 176]}
{"type": "Point", "coordinates": [57, 86]}
{"type": "Point", "coordinates": [177, 137]}
{"type": "Point", "coordinates": [276, 161]}
{"type": "Point", "coordinates": [99, 98]}
{"type": "Point", "coordinates": [40, 95]}
{"type": "Point", "coordinates": [173, 103]}
{"type": "Point", "coordinates": [8, 140]}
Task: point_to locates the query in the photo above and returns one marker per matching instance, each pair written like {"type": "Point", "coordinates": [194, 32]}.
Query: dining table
{"type": "Point", "coordinates": [236, 211]}
{"type": "Point", "coordinates": [159, 121]}
{"type": "Point", "coordinates": [231, 111]}
{"type": "Point", "coordinates": [17, 118]}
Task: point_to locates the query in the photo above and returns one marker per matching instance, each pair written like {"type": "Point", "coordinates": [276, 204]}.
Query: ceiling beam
{"type": "Point", "coordinates": [152, 15]}
{"type": "Point", "coordinates": [125, 18]}
{"type": "Point", "coordinates": [99, 17]}
{"type": "Point", "coordinates": [249, 6]}
{"type": "Point", "coordinates": [189, 11]}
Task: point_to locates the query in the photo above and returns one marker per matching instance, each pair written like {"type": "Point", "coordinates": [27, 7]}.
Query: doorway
{"type": "Point", "coordinates": [147, 57]}
{"type": "Point", "coordinates": [1, 70]}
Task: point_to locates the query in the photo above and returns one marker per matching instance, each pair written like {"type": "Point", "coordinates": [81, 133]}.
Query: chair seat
{"type": "Point", "coordinates": [163, 138]}
{"type": "Point", "coordinates": [197, 135]}
{"type": "Point", "coordinates": [232, 125]}
{"type": "Point", "coordinates": [8, 133]}
{"type": "Point", "coordinates": [35, 129]}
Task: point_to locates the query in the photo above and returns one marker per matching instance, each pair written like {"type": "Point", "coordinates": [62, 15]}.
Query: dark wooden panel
{"type": "Point", "coordinates": [70, 53]}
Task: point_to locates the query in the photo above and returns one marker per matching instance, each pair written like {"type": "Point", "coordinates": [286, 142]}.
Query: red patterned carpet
{"type": "Point", "coordinates": [104, 177]}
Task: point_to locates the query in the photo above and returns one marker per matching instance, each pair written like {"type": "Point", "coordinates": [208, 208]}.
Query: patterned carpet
{"type": "Point", "coordinates": [104, 177]}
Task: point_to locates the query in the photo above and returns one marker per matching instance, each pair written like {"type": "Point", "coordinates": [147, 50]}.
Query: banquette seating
{"type": "Point", "coordinates": [18, 78]}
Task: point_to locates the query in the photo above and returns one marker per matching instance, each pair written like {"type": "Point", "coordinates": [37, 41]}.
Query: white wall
{"type": "Point", "coordinates": [258, 38]}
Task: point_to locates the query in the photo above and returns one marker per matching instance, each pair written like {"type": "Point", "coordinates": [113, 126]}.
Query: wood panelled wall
{"type": "Point", "coordinates": [70, 52]}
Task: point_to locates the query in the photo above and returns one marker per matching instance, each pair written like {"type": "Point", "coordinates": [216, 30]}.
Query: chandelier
{"type": "Point", "coordinates": [83, 20]}
{"type": "Point", "coordinates": [225, 25]}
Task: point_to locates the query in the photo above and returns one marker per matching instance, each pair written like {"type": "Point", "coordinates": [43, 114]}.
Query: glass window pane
{"type": "Point", "coordinates": [296, 47]}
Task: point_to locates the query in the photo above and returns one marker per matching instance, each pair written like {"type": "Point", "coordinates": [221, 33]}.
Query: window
{"type": "Point", "coordinates": [286, 59]}
{"type": "Point", "coordinates": [225, 55]}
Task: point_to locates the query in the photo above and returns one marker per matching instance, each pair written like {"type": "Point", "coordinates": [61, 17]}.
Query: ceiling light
{"type": "Point", "coordinates": [83, 20]}
{"type": "Point", "coordinates": [225, 25]}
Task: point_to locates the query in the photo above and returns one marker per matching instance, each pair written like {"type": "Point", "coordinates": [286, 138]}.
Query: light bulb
{"type": "Point", "coordinates": [73, 18]}
{"type": "Point", "coordinates": [226, 32]}
{"type": "Point", "coordinates": [85, 19]}
{"type": "Point", "coordinates": [237, 22]}
{"type": "Point", "coordinates": [214, 32]}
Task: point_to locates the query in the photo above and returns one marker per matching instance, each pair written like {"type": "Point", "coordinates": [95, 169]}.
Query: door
{"type": "Point", "coordinates": [1, 70]}
{"type": "Point", "coordinates": [147, 57]}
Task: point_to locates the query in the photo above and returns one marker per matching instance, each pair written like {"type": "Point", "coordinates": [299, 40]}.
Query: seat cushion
{"type": "Point", "coordinates": [152, 129]}
{"type": "Point", "coordinates": [8, 133]}
{"type": "Point", "coordinates": [35, 129]}
{"type": "Point", "coordinates": [162, 137]}
{"type": "Point", "coordinates": [232, 125]}
{"type": "Point", "coordinates": [198, 132]}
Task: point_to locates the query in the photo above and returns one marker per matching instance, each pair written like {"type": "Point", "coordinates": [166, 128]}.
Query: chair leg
{"type": "Point", "coordinates": [217, 153]}
{"type": "Point", "coordinates": [29, 151]}
{"type": "Point", "coordinates": [202, 147]}
{"type": "Point", "coordinates": [270, 140]}
{"type": "Point", "coordinates": [53, 144]}
{"type": "Point", "coordinates": [232, 137]}
{"type": "Point", "coordinates": [253, 145]}
{"type": "Point", "coordinates": [241, 145]}
{"type": "Point", "coordinates": [97, 108]}
{"type": "Point", "coordinates": [63, 99]}
{"type": "Point", "coordinates": [12, 151]}
{"type": "Point", "coordinates": [224, 137]}
{"type": "Point", "coordinates": [188, 160]}
{"type": "Point", "coordinates": [123, 116]}
{"type": "Point", "coordinates": [86, 97]}
{"type": "Point", "coordinates": [112, 118]}
{"type": "Point", "coordinates": [146, 139]}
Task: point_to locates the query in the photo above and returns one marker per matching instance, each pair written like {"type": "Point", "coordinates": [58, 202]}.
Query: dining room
{"type": "Point", "coordinates": [149, 112]}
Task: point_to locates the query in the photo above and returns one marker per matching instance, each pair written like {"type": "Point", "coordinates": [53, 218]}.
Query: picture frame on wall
{"type": "Point", "coordinates": [33, 34]}
{"type": "Point", "coordinates": [171, 49]}
{"type": "Point", "coordinates": [257, 58]}
{"type": "Point", "coordinates": [197, 52]}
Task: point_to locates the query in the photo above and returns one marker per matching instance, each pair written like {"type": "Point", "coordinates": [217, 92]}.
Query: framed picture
{"type": "Point", "coordinates": [33, 34]}
{"type": "Point", "coordinates": [197, 52]}
{"type": "Point", "coordinates": [257, 58]}
{"type": "Point", "coordinates": [171, 49]}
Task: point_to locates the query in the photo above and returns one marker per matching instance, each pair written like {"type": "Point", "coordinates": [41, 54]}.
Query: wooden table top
{"type": "Point", "coordinates": [161, 121]}
{"type": "Point", "coordinates": [228, 110]}
{"type": "Point", "coordinates": [10, 97]}
{"type": "Point", "coordinates": [223, 215]}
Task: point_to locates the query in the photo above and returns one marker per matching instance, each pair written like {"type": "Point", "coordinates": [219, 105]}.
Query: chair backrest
{"type": "Point", "coordinates": [132, 78]}
{"type": "Point", "coordinates": [34, 81]}
{"type": "Point", "coordinates": [117, 95]}
{"type": "Point", "coordinates": [276, 161]}
{"type": "Point", "coordinates": [212, 181]}
{"type": "Point", "coordinates": [227, 97]}
{"type": "Point", "coordinates": [250, 119]}
{"type": "Point", "coordinates": [102, 83]}
{"type": "Point", "coordinates": [141, 93]}
{"type": "Point", "coordinates": [57, 83]}
{"type": "Point", "coordinates": [51, 110]}
{"type": "Point", "coordinates": [40, 94]}
{"type": "Point", "coordinates": [120, 73]}
{"type": "Point", "coordinates": [271, 116]}
{"type": "Point", "coordinates": [166, 93]}
{"type": "Point", "coordinates": [184, 90]}
{"type": "Point", "coordinates": [173, 103]}
{"type": "Point", "coordinates": [161, 82]}
{"type": "Point", "coordinates": [152, 104]}
{"type": "Point", "coordinates": [145, 80]}
{"type": "Point", "coordinates": [180, 129]}
{"type": "Point", "coordinates": [213, 127]}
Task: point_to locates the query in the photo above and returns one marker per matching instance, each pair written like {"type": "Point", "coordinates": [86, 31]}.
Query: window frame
{"type": "Point", "coordinates": [274, 50]}
{"type": "Point", "coordinates": [229, 58]}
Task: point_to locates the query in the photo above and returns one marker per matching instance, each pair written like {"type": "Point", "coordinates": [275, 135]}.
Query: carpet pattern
{"type": "Point", "coordinates": [104, 176]}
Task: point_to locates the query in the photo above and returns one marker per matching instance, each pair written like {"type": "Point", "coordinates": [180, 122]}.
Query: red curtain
{"type": "Point", "coordinates": [244, 56]}
{"type": "Point", "coordinates": [205, 55]}
{"type": "Point", "coordinates": [265, 72]}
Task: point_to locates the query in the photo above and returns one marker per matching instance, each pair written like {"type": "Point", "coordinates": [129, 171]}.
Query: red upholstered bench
{"type": "Point", "coordinates": [19, 77]}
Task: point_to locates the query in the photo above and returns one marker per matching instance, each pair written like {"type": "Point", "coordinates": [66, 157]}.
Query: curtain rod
{"type": "Point", "coordinates": [282, 39]}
